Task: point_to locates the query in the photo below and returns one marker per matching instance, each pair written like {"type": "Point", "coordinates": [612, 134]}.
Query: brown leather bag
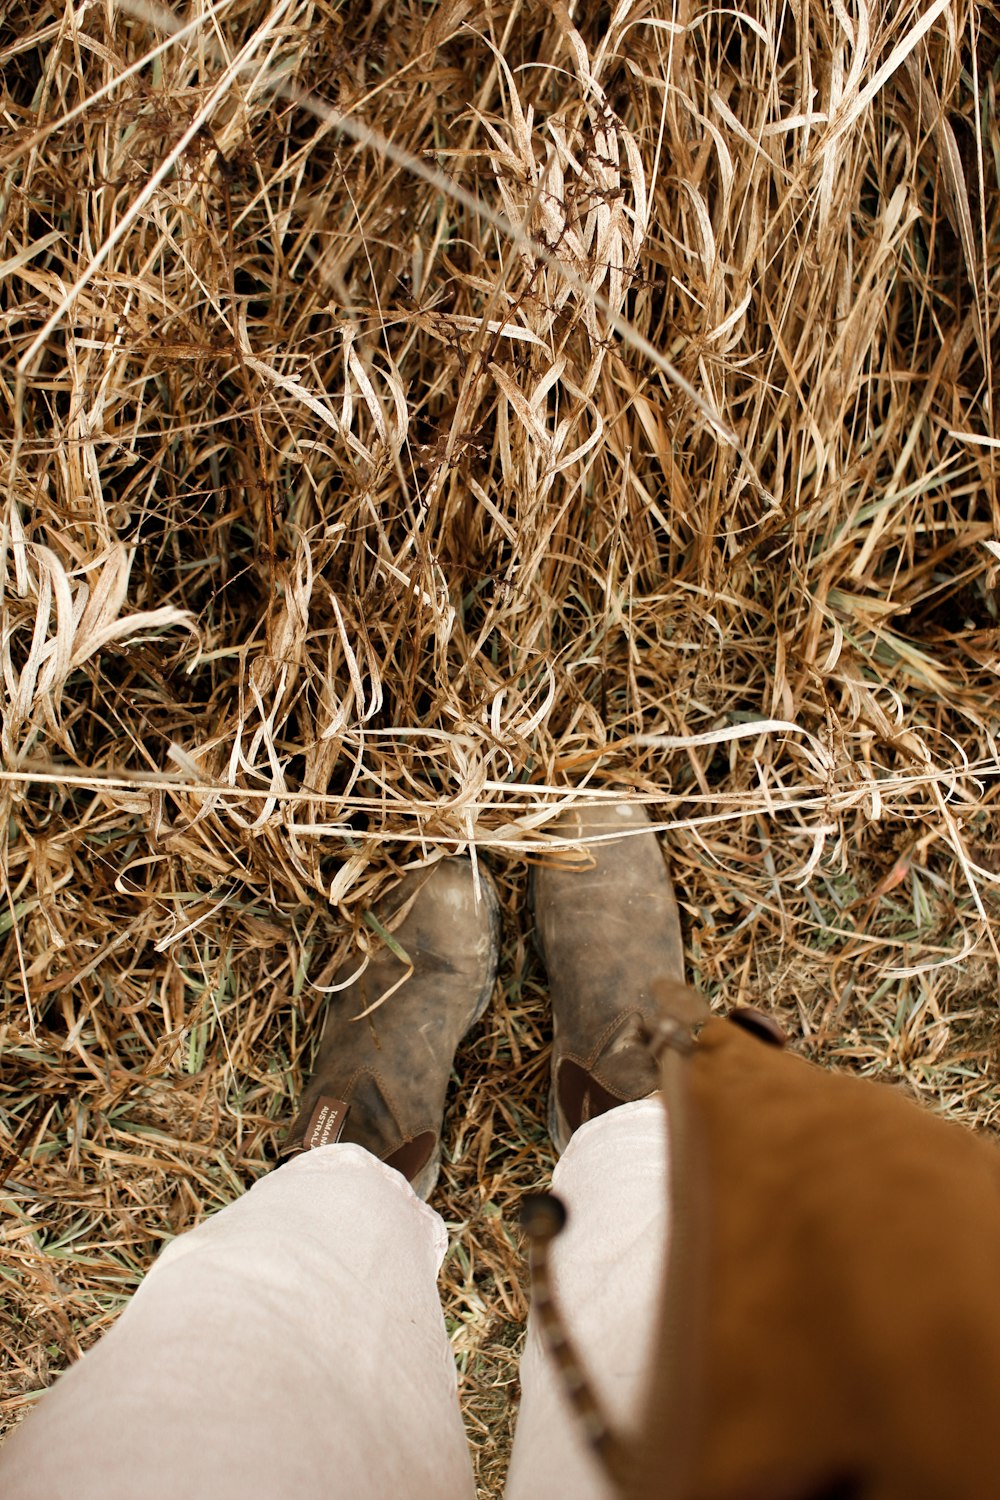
{"type": "Point", "coordinates": [831, 1322]}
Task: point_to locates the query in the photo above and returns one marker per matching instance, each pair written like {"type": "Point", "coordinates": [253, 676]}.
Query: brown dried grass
{"type": "Point", "coordinates": [416, 417]}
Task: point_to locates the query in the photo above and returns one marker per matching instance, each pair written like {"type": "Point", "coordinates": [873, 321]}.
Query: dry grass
{"type": "Point", "coordinates": [344, 524]}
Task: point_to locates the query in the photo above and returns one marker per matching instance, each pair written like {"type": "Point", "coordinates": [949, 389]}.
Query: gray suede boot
{"type": "Point", "coordinates": [609, 935]}
{"type": "Point", "coordinates": [380, 1081]}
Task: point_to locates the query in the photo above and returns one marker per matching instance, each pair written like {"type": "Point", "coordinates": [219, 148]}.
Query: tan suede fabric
{"type": "Point", "coordinates": [850, 1339]}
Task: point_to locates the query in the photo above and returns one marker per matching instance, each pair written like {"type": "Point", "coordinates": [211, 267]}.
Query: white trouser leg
{"type": "Point", "coordinates": [291, 1345]}
{"type": "Point", "coordinates": [607, 1271]}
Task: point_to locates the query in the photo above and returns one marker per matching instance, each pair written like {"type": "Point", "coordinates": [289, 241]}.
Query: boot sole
{"type": "Point", "coordinates": [558, 1132]}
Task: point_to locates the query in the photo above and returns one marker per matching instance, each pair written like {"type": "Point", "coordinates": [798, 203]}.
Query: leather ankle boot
{"type": "Point", "coordinates": [609, 934]}
{"type": "Point", "coordinates": [380, 1079]}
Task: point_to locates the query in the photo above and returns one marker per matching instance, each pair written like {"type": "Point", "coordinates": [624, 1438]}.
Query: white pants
{"type": "Point", "coordinates": [294, 1343]}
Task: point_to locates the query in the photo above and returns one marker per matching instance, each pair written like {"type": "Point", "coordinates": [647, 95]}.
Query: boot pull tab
{"type": "Point", "coordinates": [543, 1216]}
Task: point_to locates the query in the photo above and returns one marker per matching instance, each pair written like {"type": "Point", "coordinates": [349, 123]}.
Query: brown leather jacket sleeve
{"type": "Point", "coordinates": [832, 1327]}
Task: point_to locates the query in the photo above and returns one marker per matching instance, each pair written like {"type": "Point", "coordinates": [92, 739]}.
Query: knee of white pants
{"type": "Point", "coordinates": [294, 1343]}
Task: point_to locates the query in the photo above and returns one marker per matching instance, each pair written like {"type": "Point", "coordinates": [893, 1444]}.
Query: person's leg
{"type": "Point", "coordinates": [607, 1274]}
{"type": "Point", "coordinates": [294, 1344]}
{"type": "Point", "coordinates": [608, 930]}
{"type": "Point", "coordinates": [291, 1345]}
